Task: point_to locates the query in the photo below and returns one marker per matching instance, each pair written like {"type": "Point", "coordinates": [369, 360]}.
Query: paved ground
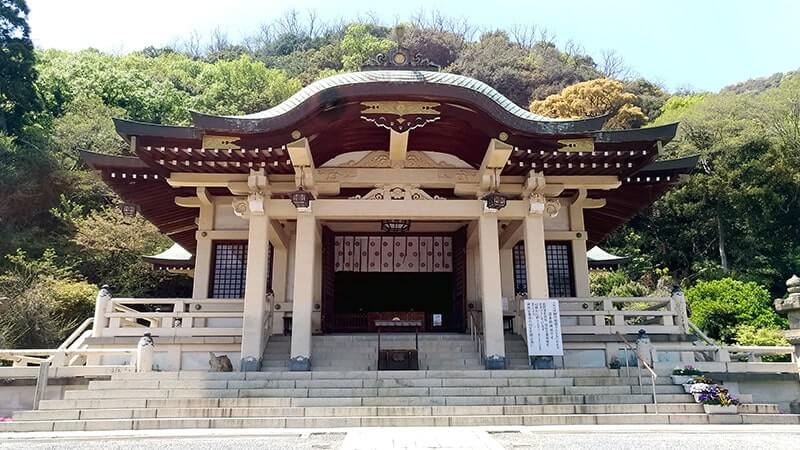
{"type": "Point", "coordinates": [771, 437]}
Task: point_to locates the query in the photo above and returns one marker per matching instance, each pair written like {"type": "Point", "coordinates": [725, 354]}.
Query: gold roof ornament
{"type": "Point", "coordinates": [576, 145]}
{"type": "Point", "coordinates": [211, 141]}
{"type": "Point", "coordinates": [400, 116]}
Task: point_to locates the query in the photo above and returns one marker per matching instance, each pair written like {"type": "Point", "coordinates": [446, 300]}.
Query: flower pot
{"type": "Point", "coordinates": [719, 409]}
{"type": "Point", "coordinates": [681, 379]}
{"type": "Point", "coordinates": [688, 388]}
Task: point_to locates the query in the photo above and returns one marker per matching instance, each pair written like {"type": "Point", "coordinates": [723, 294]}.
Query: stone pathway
{"type": "Point", "coordinates": [636, 437]}
{"type": "Point", "coordinates": [419, 438]}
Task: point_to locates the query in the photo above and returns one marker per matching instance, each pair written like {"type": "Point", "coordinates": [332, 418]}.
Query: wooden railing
{"type": "Point", "coordinates": [174, 317]}
{"type": "Point", "coordinates": [626, 315]}
{"type": "Point", "coordinates": [689, 353]}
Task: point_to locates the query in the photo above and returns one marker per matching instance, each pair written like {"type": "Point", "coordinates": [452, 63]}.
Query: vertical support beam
{"type": "Point", "coordinates": [472, 275]}
{"type": "Point", "coordinates": [491, 291]}
{"type": "Point", "coordinates": [255, 292]}
{"type": "Point", "coordinates": [305, 249]}
{"type": "Point", "coordinates": [535, 257]}
{"type": "Point", "coordinates": [203, 254]}
{"type": "Point", "coordinates": [202, 266]}
{"type": "Point", "coordinates": [507, 276]}
{"type": "Point", "coordinates": [316, 314]}
{"type": "Point", "coordinates": [580, 263]}
{"type": "Point", "coordinates": [280, 266]}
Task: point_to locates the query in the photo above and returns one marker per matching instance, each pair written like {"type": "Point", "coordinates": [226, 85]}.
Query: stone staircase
{"type": "Point", "coordinates": [437, 351]}
{"type": "Point", "coordinates": [516, 352]}
{"type": "Point", "coordinates": [169, 400]}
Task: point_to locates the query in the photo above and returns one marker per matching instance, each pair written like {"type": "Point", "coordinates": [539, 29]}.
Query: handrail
{"type": "Point", "coordinates": [117, 307]}
{"type": "Point", "coordinates": [475, 332]}
{"type": "Point", "coordinates": [642, 362]}
{"type": "Point", "coordinates": [700, 333]}
{"type": "Point", "coordinates": [76, 334]}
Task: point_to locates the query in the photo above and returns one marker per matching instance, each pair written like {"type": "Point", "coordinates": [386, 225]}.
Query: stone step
{"type": "Point", "coordinates": [390, 421]}
{"type": "Point", "coordinates": [547, 373]}
{"type": "Point", "coordinates": [503, 386]}
{"type": "Point", "coordinates": [504, 395]}
{"type": "Point", "coordinates": [349, 411]}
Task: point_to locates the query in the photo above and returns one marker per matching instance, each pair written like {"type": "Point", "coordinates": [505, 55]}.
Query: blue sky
{"type": "Point", "coordinates": [700, 44]}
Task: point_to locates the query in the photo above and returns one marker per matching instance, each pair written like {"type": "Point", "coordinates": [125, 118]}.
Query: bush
{"type": "Point", "coordinates": [719, 307]}
{"type": "Point", "coordinates": [46, 301]}
{"type": "Point", "coordinates": [110, 249]}
{"type": "Point", "coordinates": [750, 335]}
{"type": "Point", "coordinates": [605, 283]}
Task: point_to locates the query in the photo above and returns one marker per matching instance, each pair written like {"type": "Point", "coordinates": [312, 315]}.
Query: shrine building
{"type": "Point", "coordinates": [397, 193]}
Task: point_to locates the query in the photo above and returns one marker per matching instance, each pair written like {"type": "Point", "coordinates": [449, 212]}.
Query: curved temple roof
{"type": "Point", "coordinates": [465, 115]}
{"type": "Point", "coordinates": [390, 83]}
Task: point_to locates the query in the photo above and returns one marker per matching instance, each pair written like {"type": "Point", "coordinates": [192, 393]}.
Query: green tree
{"type": "Point", "coordinates": [242, 86]}
{"type": "Point", "coordinates": [720, 307]}
{"type": "Point", "coordinates": [109, 249]}
{"type": "Point", "coordinates": [46, 301]}
{"type": "Point", "coordinates": [18, 96]}
{"type": "Point", "coordinates": [86, 125]}
{"type": "Point", "coordinates": [522, 73]}
{"type": "Point", "coordinates": [358, 45]}
{"type": "Point", "coordinates": [120, 82]}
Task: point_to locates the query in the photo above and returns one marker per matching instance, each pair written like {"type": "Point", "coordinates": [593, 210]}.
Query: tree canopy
{"type": "Point", "coordinates": [18, 97]}
{"type": "Point", "coordinates": [594, 98]}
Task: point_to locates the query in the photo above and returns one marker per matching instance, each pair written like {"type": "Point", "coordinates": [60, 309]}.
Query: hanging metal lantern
{"type": "Point", "coordinates": [301, 198]}
{"type": "Point", "coordinates": [128, 209]}
{"type": "Point", "coordinates": [495, 200]}
{"type": "Point", "coordinates": [395, 225]}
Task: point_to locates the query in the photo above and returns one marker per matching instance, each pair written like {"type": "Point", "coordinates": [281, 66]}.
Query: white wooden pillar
{"type": "Point", "coordinates": [202, 266]}
{"type": "Point", "coordinates": [580, 263]}
{"type": "Point", "coordinates": [204, 252]}
{"type": "Point", "coordinates": [305, 249]}
{"type": "Point", "coordinates": [535, 257]}
{"type": "Point", "coordinates": [255, 293]}
{"type": "Point", "coordinates": [491, 291]}
{"type": "Point", "coordinates": [507, 274]}
{"type": "Point", "coordinates": [280, 257]}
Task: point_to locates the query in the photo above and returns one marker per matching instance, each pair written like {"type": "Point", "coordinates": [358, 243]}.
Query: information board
{"type": "Point", "coordinates": [543, 325]}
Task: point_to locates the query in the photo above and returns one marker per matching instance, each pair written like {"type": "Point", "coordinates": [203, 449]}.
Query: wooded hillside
{"type": "Point", "coordinates": [736, 217]}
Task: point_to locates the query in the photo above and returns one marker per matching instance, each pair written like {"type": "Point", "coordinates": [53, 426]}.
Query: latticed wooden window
{"type": "Point", "coordinates": [230, 268]}
{"type": "Point", "coordinates": [560, 278]}
{"type": "Point", "coordinates": [520, 276]}
{"type": "Point", "coordinates": [559, 269]}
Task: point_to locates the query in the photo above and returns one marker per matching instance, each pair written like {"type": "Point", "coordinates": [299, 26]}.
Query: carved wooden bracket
{"type": "Point", "coordinates": [397, 192]}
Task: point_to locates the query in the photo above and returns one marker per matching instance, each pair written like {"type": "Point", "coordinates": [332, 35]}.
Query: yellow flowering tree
{"type": "Point", "coordinates": [594, 98]}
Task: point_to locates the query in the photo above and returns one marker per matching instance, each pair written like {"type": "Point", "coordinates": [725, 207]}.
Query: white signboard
{"type": "Point", "coordinates": [543, 325]}
{"type": "Point", "coordinates": [437, 320]}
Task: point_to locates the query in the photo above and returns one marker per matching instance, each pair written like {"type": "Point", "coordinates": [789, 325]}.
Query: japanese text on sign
{"type": "Point", "coordinates": [543, 325]}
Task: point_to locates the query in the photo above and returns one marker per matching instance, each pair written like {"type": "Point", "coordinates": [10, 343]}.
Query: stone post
{"type": "Point", "coordinates": [100, 307]}
{"type": "Point", "coordinates": [144, 354]}
{"type": "Point", "coordinates": [644, 347]}
{"type": "Point", "coordinates": [791, 307]}
{"type": "Point", "coordinates": [679, 303]}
